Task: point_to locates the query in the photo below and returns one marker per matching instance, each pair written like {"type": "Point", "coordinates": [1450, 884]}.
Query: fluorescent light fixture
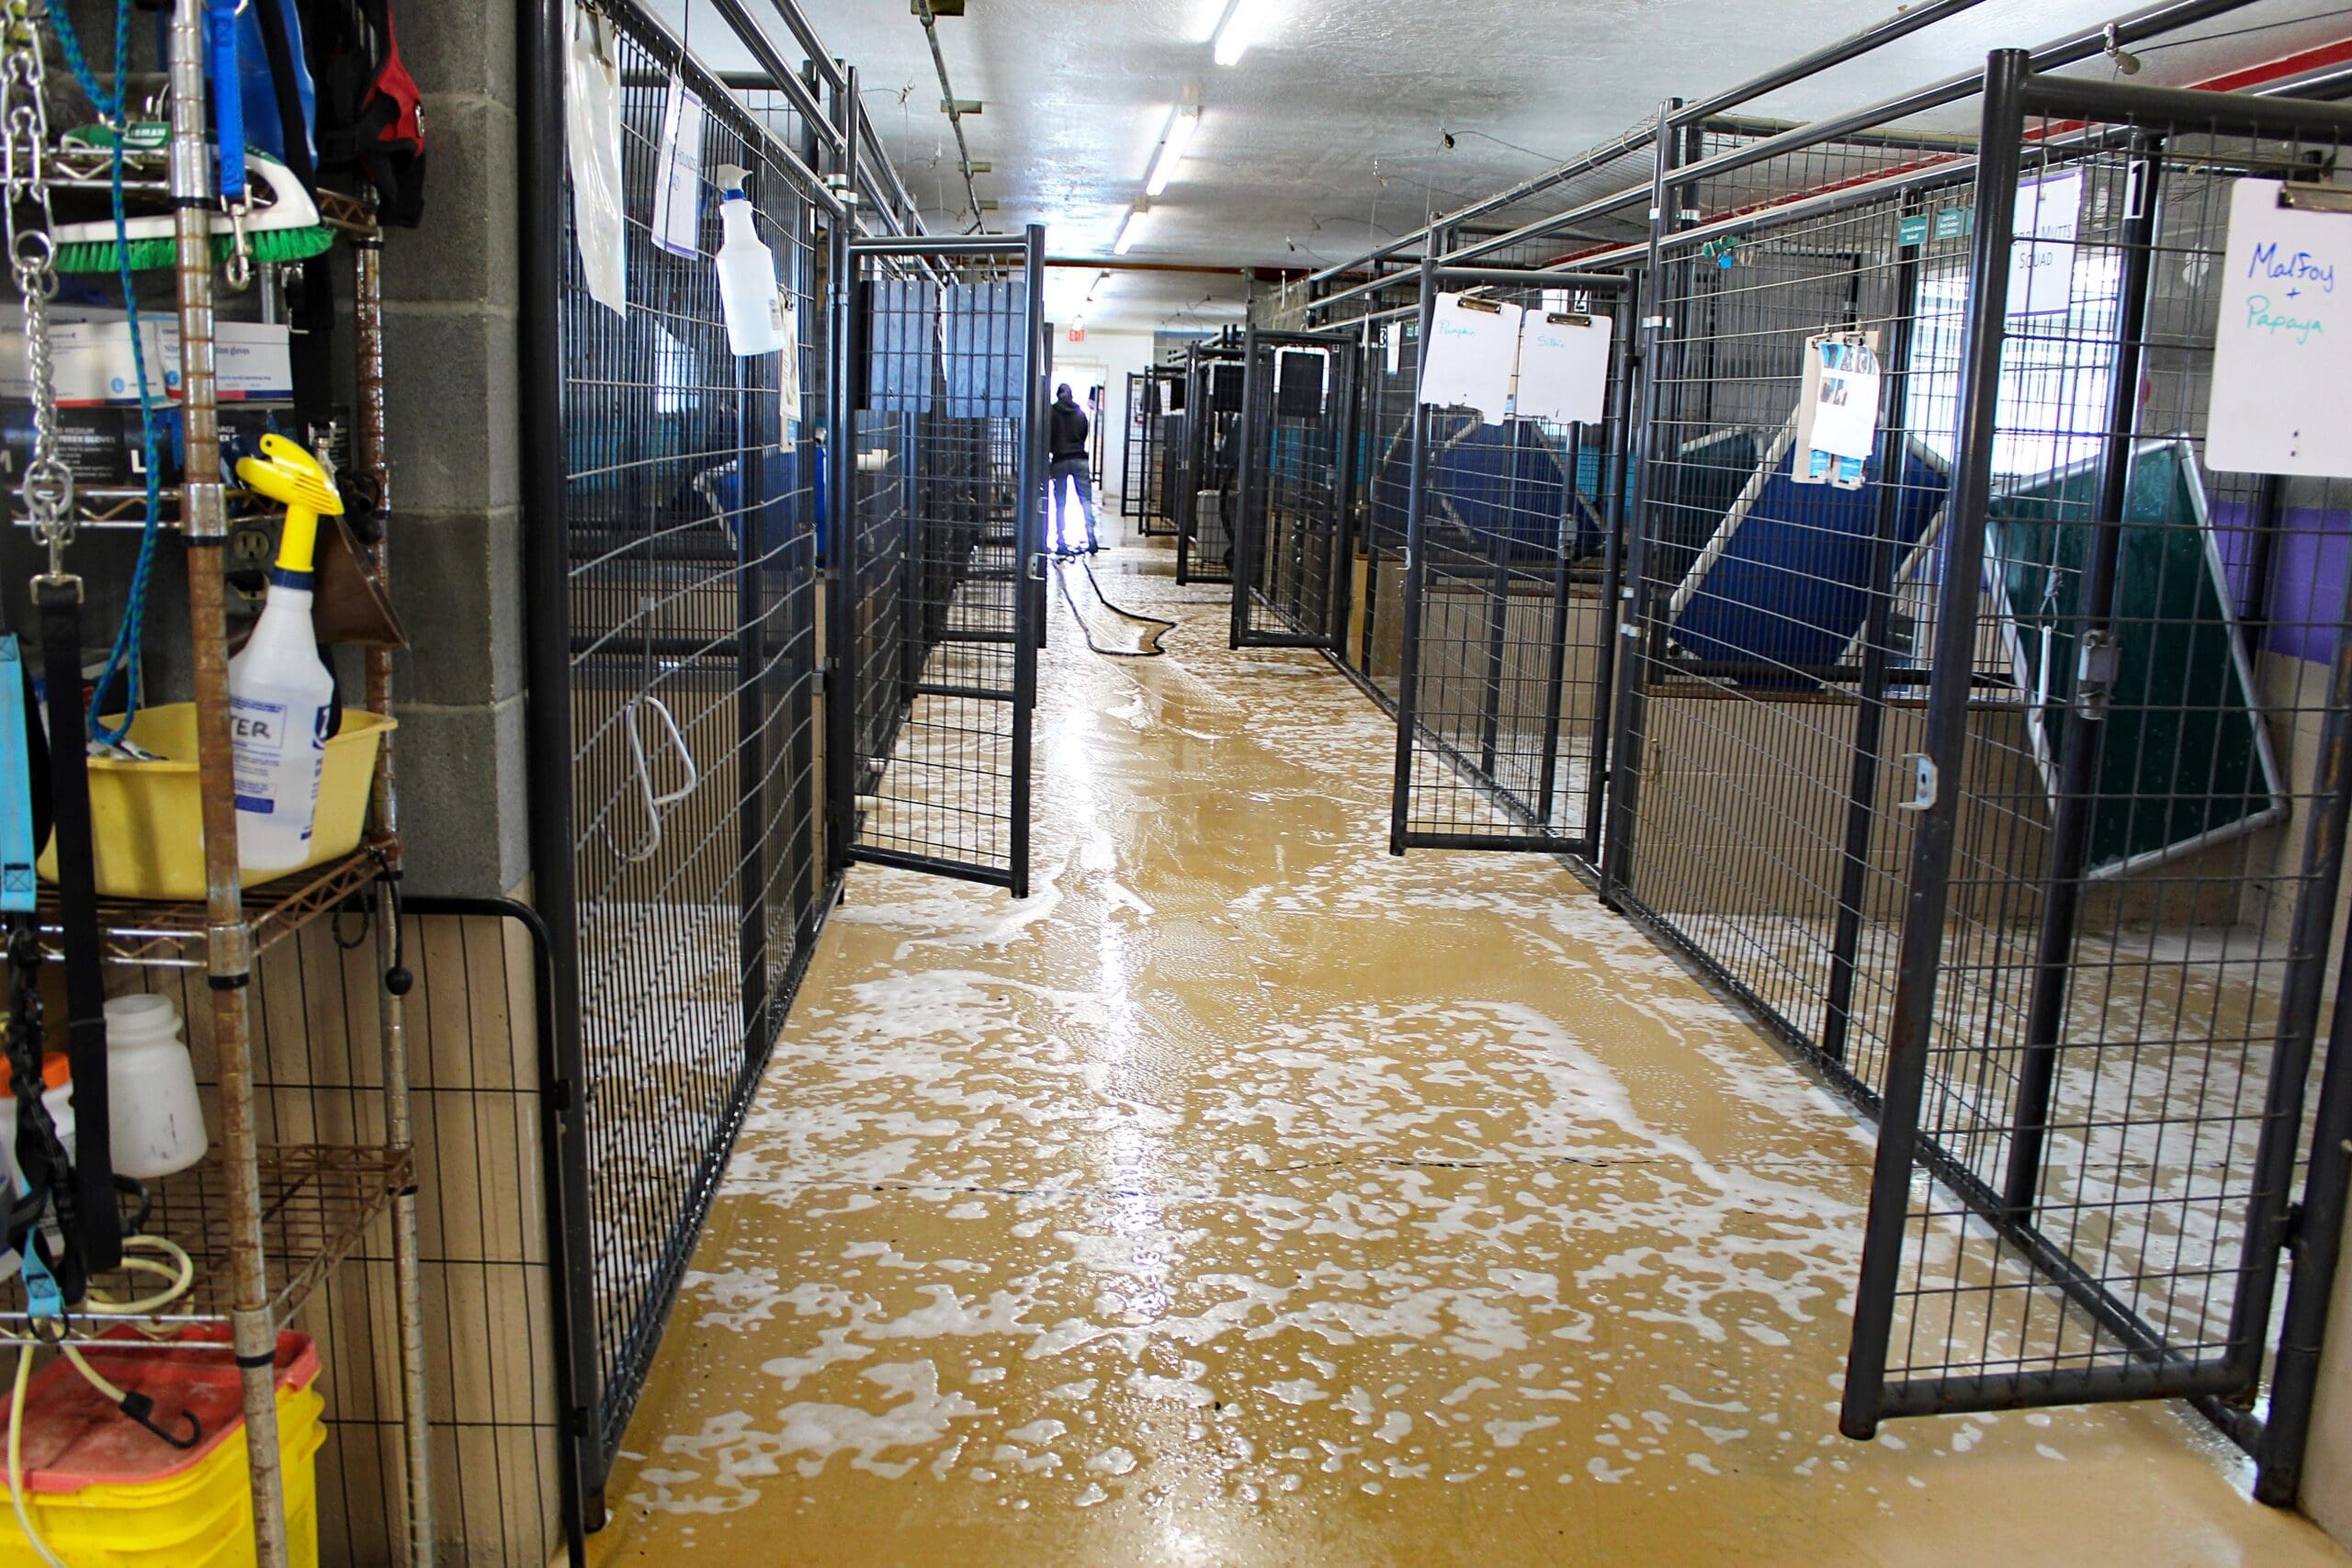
{"type": "Point", "coordinates": [1238, 30]}
{"type": "Point", "coordinates": [1131, 230]}
{"type": "Point", "coordinates": [1171, 148]}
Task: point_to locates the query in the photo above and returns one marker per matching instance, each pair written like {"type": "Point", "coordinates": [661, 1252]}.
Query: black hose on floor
{"type": "Point", "coordinates": [1147, 645]}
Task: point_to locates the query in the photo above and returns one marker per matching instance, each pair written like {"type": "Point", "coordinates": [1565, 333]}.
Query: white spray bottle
{"type": "Point", "coordinates": [279, 691]}
{"type": "Point", "coordinates": [746, 273]}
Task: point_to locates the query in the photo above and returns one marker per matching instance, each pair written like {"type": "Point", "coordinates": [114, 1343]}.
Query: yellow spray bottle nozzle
{"type": "Point", "coordinates": [298, 481]}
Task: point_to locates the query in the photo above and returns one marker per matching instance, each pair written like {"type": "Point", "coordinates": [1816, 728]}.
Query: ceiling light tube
{"type": "Point", "coordinates": [1171, 148]}
{"type": "Point", "coordinates": [1131, 230]}
{"type": "Point", "coordinates": [1238, 30]}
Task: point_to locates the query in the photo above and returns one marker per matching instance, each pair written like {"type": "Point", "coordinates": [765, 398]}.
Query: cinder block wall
{"type": "Point", "coordinates": [452, 289]}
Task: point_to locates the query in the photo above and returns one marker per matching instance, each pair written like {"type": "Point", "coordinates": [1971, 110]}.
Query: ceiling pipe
{"type": "Point", "coordinates": [2071, 50]}
{"type": "Point", "coordinates": [953, 105]}
{"type": "Point", "coordinates": [1878, 34]}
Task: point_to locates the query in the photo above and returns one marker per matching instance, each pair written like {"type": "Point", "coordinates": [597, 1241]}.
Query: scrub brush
{"type": "Point", "coordinates": [282, 224]}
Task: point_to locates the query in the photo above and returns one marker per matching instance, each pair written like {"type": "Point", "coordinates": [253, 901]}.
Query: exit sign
{"type": "Point", "coordinates": [1078, 331]}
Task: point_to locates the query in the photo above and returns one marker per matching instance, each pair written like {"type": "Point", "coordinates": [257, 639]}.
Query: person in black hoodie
{"type": "Point", "coordinates": [1067, 428]}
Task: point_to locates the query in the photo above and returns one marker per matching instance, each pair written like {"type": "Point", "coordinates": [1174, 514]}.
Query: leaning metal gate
{"type": "Point", "coordinates": [937, 526]}
{"type": "Point", "coordinates": [1294, 490]}
{"type": "Point", "coordinates": [1512, 565]}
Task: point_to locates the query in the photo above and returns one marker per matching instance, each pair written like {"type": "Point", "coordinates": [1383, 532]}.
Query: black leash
{"type": "Point", "coordinates": [96, 1236]}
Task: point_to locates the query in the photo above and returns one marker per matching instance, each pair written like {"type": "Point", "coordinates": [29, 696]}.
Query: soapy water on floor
{"type": "Point", "coordinates": [1245, 1160]}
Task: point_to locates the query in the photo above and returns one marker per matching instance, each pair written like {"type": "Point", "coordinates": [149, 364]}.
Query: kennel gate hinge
{"type": "Point", "coordinates": [1923, 784]}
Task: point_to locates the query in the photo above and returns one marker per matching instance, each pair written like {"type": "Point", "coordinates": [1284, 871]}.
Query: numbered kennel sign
{"type": "Point", "coordinates": [2282, 353]}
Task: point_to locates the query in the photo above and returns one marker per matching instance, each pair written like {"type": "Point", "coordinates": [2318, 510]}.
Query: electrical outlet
{"type": "Point", "coordinates": [251, 544]}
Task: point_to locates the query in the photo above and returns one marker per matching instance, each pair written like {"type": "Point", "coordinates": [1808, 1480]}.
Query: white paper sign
{"type": "Point", "coordinates": [2041, 263]}
{"type": "Point", "coordinates": [1562, 367]}
{"type": "Point", "coordinates": [2282, 356]}
{"type": "Point", "coordinates": [1471, 355]}
{"type": "Point", "coordinates": [1392, 338]}
{"type": "Point", "coordinates": [677, 176]}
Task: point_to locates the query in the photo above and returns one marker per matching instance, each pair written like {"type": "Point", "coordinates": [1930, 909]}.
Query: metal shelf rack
{"type": "Point", "coordinates": [265, 1225]}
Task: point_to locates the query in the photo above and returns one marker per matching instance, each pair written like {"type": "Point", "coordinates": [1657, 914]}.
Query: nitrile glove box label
{"type": "Point", "coordinates": [92, 365]}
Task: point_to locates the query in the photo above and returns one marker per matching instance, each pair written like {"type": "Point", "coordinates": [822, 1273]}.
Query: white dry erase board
{"type": "Point", "coordinates": [2041, 263]}
{"type": "Point", "coordinates": [677, 181]}
{"type": "Point", "coordinates": [2282, 354]}
{"type": "Point", "coordinates": [1562, 367]}
{"type": "Point", "coordinates": [1471, 355]}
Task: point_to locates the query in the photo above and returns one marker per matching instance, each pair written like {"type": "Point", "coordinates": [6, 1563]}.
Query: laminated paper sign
{"type": "Point", "coordinates": [2042, 262]}
{"type": "Point", "coordinates": [2282, 354]}
{"type": "Point", "coordinates": [1471, 355]}
{"type": "Point", "coordinates": [1837, 410]}
{"type": "Point", "coordinates": [1562, 367]}
{"type": "Point", "coordinates": [677, 179]}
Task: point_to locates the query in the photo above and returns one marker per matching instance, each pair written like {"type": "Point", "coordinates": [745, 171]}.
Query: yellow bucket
{"type": "Point", "coordinates": [122, 1499]}
{"type": "Point", "coordinates": [147, 819]}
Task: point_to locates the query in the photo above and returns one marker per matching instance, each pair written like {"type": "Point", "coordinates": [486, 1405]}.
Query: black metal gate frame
{"type": "Point", "coordinates": [2012, 92]}
{"type": "Point", "coordinates": [1353, 657]}
{"type": "Point", "coordinates": [1201, 458]}
{"type": "Point", "coordinates": [594, 1405]}
{"type": "Point", "coordinates": [1025, 254]}
{"type": "Point", "coordinates": [1411, 733]}
{"type": "Point", "coordinates": [1130, 441]}
{"type": "Point", "coordinates": [1155, 512]}
{"type": "Point", "coordinates": [1253, 498]}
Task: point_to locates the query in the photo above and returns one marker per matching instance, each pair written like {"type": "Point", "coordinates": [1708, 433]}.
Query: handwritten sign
{"type": "Point", "coordinates": [1562, 367]}
{"type": "Point", "coordinates": [1472, 353]}
{"type": "Point", "coordinates": [2042, 262]}
{"type": "Point", "coordinates": [2282, 354]}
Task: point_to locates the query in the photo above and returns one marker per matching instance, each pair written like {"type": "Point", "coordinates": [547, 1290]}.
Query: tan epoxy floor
{"type": "Point", "coordinates": [1248, 1196]}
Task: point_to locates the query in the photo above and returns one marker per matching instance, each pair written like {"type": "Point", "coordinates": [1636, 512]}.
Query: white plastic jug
{"type": "Point", "coordinates": [156, 1119]}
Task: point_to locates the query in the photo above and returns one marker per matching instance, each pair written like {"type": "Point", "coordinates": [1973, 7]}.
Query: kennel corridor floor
{"type": "Point", "coordinates": [1248, 1196]}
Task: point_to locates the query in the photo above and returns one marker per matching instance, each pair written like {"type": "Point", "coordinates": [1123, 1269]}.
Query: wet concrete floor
{"type": "Point", "coordinates": [1247, 1196]}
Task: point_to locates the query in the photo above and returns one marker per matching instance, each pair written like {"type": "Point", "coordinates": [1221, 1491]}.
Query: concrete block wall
{"type": "Point", "coordinates": [452, 290]}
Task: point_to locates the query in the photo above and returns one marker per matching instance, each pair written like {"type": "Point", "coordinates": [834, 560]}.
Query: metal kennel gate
{"type": "Point", "coordinates": [1296, 488]}
{"type": "Point", "coordinates": [1210, 471]}
{"type": "Point", "coordinates": [2107, 1096]}
{"type": "Point", "coordinates": [671, 581]}
{"type": "Point", "coordinates": [1509, 593]}
{"type": "Point", "coordinates": [936, 502]}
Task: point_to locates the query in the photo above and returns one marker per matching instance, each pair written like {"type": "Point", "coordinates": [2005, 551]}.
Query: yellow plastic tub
{"type": "Point", "coordinates": [104, 1494]}
{"type": "Point", "coordinates": [147, 818]}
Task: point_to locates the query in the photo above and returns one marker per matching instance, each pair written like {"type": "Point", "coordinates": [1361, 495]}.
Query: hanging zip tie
{"type": "Point", "coordinates": [124, 656]}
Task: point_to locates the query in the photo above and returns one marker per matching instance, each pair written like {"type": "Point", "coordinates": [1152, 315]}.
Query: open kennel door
{"type": "Point", "coordinates": [936, 540]}
{"type": "Point", "coordinates": [1510, 587]}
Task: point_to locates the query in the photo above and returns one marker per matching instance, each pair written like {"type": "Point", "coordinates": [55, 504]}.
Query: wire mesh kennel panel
{"type": "Point", "coordinates": [1213, 375]}
{"type": "Point", "coordinates": [683, 647]}
{"type": "Point", "coordinates": [1769, 685]}
{"type": "Point", "coordinates": [1391, 374]}
{"type": "Point", "coordinates": [937, 640]}
{"type": "Point", "coordinates": [1508, 603]}
{"type": "Point", "coordinates": [2122, 892]}
{"type": "Point", "coordinates": [1290, 571]}
{"type": "Point", "coordinates": [1132, 477]}
{"type": "Point", "coordinates": [1159, 427]}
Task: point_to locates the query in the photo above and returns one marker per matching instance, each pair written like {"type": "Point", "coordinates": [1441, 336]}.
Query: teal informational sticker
{"type": "Point", "coordinates": [1915, 229]}
{"type": "Point", "coordinates": [1954, 222]}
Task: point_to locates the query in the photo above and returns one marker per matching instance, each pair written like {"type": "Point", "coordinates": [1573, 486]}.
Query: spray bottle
{"type": "Point", "coordinates": [746, 273]}
{"type": "Point", "coordinates": [279, 691]}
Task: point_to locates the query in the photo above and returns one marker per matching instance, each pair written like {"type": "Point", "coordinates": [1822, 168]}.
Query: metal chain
{"type": "Point", "coordinates": [48, 487]}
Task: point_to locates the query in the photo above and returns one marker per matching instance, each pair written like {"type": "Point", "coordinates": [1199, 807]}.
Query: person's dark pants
{"type": "Point", "coordinates": [1079, 472]}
